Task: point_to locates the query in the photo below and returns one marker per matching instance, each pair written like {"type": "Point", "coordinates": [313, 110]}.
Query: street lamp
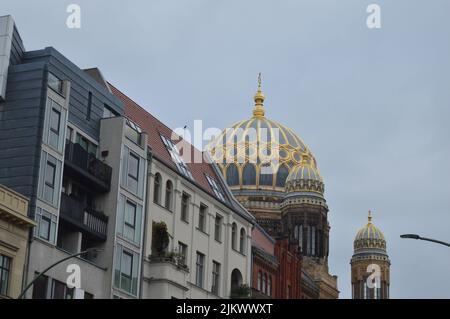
{"type": "Point", "coordinates": [22, 294]}
{"type": "Point", "coordinates": [415, 236]}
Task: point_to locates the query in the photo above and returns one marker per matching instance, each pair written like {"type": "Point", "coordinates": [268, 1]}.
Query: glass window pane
{"type": "Point", "coordinates": [44, 228]}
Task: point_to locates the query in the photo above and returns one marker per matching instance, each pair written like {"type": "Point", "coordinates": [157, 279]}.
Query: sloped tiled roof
{"type": "Point", "coordinates": [154, 128]}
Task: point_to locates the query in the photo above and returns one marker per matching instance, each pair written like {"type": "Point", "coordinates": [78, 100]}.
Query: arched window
{"type": "Point", "coordinates": [259, 280]}
{"type": "Point", "coordinates": [249, 175]}
{"type": "Point", "coordinates": [169, 192]}
{"type": "Point", "coordinates": [232, 175]}
{"type": "Point", "coordinates": [282, 174]}
{"type": "Point", "coordinates": [233, 236]}
{"type": "Point", "coordinates": [264, 283]}
{"type": "Point", "coordinates": [157, 189]}
{"type": "Point", "coordinates": [242, 241]}
{"type": "Point", "coordinates": [269, 286]}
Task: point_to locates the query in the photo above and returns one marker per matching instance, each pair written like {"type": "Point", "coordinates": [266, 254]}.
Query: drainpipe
{"type": "Point", "coordinates": [145, 231]}
{"type": "Point", "coordinates": [27, 257]}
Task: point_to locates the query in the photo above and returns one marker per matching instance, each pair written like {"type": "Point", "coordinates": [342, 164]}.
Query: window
{"type": "Point", "coordinates": [300, 237]}
{"type": "Point", "coordinates": [174, 153]}
{"type": "Point", "coordinates": [216, 188]}
{"type": "Point", "coordinates": [60, 290]}
{"type": "Point", "coordinates": [40, 287]}
{"type": "Point", "coordinates": [5, 271]}
{"type": "Point", "coordinates": [215, 278]}
{"type": "Point", "coordinates": [54, 125]}
{"type": "Point", "coordinates": [259, 280]}
{"type": "Point", "coordinates": [308, 240]}
{"type": "Point", "coordinates": [234, 236]}
{"type": "Point", "coordinates": [126, 270]}
{"type": "Point", "coordinates": [55, 122]}
{"type": "Point", "coordinates": [46, 225]}
{"type": "Point", "coordinates": [313, 241]}
{"type": "Point", "coordinates": [264, 283]}
{"type": "Point", "coordinates": [49, 181]}
{"type": "Point", "coordinates": [218, 228]}
{"type": "Point", "coordinates": [269, 286]}
{"type": "Point", "coordinates": [129, 219]}
{"type": "Point", "coordinates": [54, 83]}
{"type": "Point", "coordinates": [182, 248]}
{"type": "Point", "coordinates": [157, 189]}
{"type": "Point", "coordinates": [69, 134]}
{"type": "Point", "coordinates": [44, 229]}
{"type": "Point", "coordinates": [133, 172]}
{"type": "Point", "coordinates": [89, 107]}
{"type": "Point", "coordinates": [185, 199]}
{"type": "Point", "coordinates": [169, 191]}
{"type": "Point", "coordinates": [242, 241]}
{"type": "Point", "coordinates": [108, 112]}
{"type": "Point", "coordinates": [133, 132]}
{"type": "Point", "coordinates": [199, 269]}
{"type": "Point", "coordinates": [87, 145]}
{"type": "Point", "coordinates": [202, 217]}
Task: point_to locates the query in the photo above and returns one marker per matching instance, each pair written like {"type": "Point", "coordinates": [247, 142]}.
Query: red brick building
{"type": "Point", "coordinates": [276, 270]}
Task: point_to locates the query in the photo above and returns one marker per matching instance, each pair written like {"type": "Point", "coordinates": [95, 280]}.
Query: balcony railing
{"type": "Point", "coordinates": [84, 218]}
{"type": "Point", "coordinates": [88, 166]}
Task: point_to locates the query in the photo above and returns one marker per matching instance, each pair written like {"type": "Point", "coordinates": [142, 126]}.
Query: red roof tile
{"type": "Point", "coordinates": [153, 127]}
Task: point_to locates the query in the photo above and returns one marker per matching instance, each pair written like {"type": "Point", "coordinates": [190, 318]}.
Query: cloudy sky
{"type": "Point", "coordinates": [372, 104]}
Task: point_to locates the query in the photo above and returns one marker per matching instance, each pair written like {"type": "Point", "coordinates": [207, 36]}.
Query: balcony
{"type": "Point", "coordinates": [87, 168]}
{"type": "Point", "coordinates": [85, 219]}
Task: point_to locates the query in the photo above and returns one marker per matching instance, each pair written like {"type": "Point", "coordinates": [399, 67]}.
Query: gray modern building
{"type": "Point", "coordinates": [65, 145]}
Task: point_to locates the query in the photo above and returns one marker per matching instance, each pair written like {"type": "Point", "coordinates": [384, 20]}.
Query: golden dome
{"type": "Point", "coordinates": [259, 153]}
{"type": "Point", "coordinates": [369, 237]}
{"type": "Point", "coordinates": [305, 177]}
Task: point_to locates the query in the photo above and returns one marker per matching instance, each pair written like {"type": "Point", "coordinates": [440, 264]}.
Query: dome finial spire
{"type": "Point", "coordinates": [369, 217]}
{"type": "Point", "coordinates": [258, 111]}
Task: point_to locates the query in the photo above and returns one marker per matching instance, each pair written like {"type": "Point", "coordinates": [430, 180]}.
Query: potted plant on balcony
{"type": "Point", "coordinates": [240, 292]}
{"type": "Point", "coordinates": [160, 239]}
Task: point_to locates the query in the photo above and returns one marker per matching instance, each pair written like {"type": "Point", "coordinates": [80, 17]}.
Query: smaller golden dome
{"type": "Point", "coordinates": [305, 177]}
{"type": "Point", "coordinates": [369, 237]}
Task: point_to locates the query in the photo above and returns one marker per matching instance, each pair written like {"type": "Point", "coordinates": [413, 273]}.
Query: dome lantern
{"type": "Point", "coordinates": [258, 111]}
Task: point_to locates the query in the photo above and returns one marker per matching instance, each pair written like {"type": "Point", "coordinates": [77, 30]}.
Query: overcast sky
{"type": "Point", "coordinates": [372, 104]}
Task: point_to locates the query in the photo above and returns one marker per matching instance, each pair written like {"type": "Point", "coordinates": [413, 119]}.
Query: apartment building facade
{"type": "Point", "coordinates": [207, 253]}
{"type": "Point", "coordinates": [91, 167]}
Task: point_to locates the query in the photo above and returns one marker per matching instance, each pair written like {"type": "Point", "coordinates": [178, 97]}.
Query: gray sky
{"type": "Point", "coordinates": [373, 105]}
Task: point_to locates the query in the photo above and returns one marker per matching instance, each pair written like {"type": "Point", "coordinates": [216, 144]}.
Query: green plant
{"type": "Point", "coordinates": [240, 292]}
{"type": "Point", "coordinates": [160, 238]}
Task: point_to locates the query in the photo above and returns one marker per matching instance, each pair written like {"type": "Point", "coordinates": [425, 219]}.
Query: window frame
{"type": "Point", "coordinates": [5, 274]}
{"type": "Point", "coordinates": [200, 269]}
{"type": "Point", "coordinates": [215, 282]}
{"type": "Point", "coordinates": [185, 203]}
{"type": "Point", "coordinates": [218, 228]}
{"type": "Point", "coordinates": [202, 217]}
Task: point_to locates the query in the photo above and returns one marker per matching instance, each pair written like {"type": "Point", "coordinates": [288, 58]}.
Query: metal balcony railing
{"type": "Point", "coordinates": [85, 218]}
{"type": "Point", "coordinates": [88, 165]}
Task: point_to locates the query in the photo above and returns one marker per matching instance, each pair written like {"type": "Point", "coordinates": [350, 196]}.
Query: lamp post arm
{"type": "Point", "coordinates": [22, 294]}
{"type": "Point", "coordinates": [435, 241]}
